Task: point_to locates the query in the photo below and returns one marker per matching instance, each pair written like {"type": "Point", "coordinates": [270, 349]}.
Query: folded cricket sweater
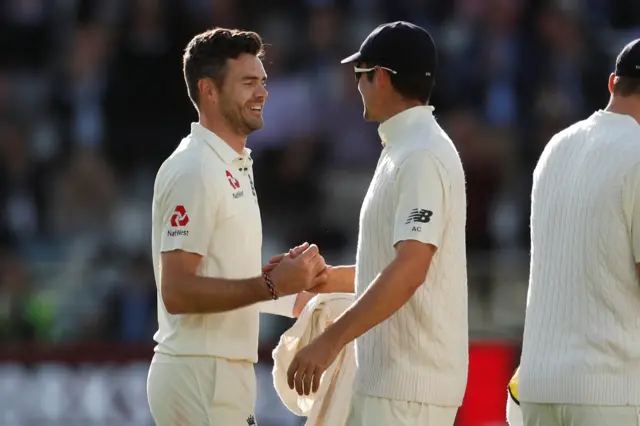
{"type": "Point", "coordinates": [330, 405]}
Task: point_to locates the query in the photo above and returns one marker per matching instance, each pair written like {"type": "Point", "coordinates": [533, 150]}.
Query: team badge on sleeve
{"type": "Point", "coordinates": [419, 216]}
{"type": "Point", "coordinates": [179, 219]}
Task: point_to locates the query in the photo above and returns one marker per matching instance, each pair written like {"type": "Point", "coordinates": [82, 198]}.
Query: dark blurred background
{"type": "Point", "coordinates": [92, 100]}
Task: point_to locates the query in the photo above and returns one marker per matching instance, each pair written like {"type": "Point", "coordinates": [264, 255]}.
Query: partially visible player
{"type": "Point", "coordinates": [207, 243]}
{"type": "Point", "coordinates": [580, 362]}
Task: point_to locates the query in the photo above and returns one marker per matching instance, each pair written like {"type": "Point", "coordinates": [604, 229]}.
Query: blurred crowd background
{"type": "Point", "coordinates": [92, 100]}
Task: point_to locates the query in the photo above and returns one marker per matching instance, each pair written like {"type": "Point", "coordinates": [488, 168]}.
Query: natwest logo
{"type": "Point", "coordinates": [179, 217]}
{"type": "Point", "coordinates": [233, 181]}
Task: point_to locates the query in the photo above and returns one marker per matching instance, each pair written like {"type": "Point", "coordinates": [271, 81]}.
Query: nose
{"type": "Point", "coordinates": [262, 92]}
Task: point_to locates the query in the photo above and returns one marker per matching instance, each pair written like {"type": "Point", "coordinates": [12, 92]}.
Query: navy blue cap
{"type": "Point", "coordinates": [628, 62]}
{"type": "Point", "coordinates": [401, 46]}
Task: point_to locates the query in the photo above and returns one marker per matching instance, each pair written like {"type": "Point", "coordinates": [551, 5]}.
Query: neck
{"type": "Point", "coordinates": [222, 130]}
{"type": "Point", "coordinates": [624, 105]}
{"type": "Point", "coordinates": [395, 108]}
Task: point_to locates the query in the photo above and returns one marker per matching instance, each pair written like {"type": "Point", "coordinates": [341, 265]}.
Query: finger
{"type": "Point", "coordinates": [291, 373]}
{"type": "Point", "coordinates": [298, 381]}
{"type": "Point", "coordinates": [311, 252]}
{"type": "Point", "coordinates": [277, 258]}
{"type": "Point", "coordinates": [319, 265]}
{"type": "Point", "coordinates": [304, 377]}
{"type": "Point", "coordinates": [297, 251]}
{"type": "Point", "coordinates": [307, 381]}
{"type": "Point", "coordinates": [317, 375]}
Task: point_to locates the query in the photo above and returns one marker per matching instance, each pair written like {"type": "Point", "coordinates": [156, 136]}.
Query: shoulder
{"type": "Point", "coordinates": [421, 165]}
{"type": "Point", "coordinates": [417, 157]}
{"type": "Point", "coordinates": [189, 166]}
{"type": "Point", "coordinates": [429, 149]}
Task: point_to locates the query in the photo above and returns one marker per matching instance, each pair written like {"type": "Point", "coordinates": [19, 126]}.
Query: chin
{"type": "Point", "coordinates": [252, 126]}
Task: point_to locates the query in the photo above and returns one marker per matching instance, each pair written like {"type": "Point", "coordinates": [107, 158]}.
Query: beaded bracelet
{"type": "Point", "coordinates": [269, 282]}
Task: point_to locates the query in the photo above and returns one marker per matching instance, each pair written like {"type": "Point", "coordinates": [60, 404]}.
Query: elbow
{"type": "Point", "coordinates": [413, 286]}
{"type": "Point", "coordinates": [171, 298]}
{"type": "Point", "coordinates": [416, 280]}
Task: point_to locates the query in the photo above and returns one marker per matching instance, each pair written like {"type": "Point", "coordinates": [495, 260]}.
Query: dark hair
{"type": "Point", "coordinates": [410, 87]}
{"type": "Point", "coordinates": [207, 53]}
{"type": "Point", "coordinates": [626, 86]}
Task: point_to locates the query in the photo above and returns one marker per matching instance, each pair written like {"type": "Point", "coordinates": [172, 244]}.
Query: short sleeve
{"type": "Point", "coordinates": [421, 187]}
{"type": "Point", "coordinates": [188, 213]}
{"type": "Point", "coordinates": [631, 208]}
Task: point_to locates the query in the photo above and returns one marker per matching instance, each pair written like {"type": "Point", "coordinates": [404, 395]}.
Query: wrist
{"type": "Point", "coordinates": [341, 279]}
{"type": "Point", "coordinates": [260, 288]}
{"type": "Point", "coordinates": [270, 286]}
{"type": "Point", "coordinates": [335, 335]}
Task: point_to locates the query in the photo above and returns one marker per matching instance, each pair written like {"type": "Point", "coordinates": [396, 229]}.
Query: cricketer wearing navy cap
{"type": "Point", "coordinates": [409, 320]}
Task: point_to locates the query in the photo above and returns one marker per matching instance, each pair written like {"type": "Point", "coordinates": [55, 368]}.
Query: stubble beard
{"type": "Point", "coordinates": [236, 122]}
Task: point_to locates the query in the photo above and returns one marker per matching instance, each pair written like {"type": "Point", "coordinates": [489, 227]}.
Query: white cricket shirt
{"type": "Point", "coordinates": [205, 202]}
{"type": "Point", "coordinates": [582, 328]}
{"type": "Point", "coordinates": [417, 193]}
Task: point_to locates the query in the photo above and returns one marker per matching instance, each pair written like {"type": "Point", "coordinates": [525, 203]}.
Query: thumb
{"type": "Point", "coordinates": [311, 252]}
{"type": "Point", "coordinates": [269, 267]}
{"type": "Point", "coordinates": [277, 258]}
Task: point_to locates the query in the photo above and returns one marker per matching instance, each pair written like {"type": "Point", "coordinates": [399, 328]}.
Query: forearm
{"type": "Point", "coordinates": [387, 294]}
{"type": "Point", "coordinates": [343, 278]}
{"type": "Point", "coordinates": [199, 295]}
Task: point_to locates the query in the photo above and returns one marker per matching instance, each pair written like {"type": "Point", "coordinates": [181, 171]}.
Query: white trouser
{"type": "Point", "coordinates": [514, 413]}
{"type": "Point", "coordinates": [201, 391]}
{"type": "Point", "coordinates": [373, 411]}
{"type": "Point", "coordinates": [579, 415]}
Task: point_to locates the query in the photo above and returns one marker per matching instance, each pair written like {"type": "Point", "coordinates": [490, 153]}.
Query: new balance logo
{"type": "Point", "coordinates": [419, 216]}
{"type": "Point", "coordinates": [251, 421]}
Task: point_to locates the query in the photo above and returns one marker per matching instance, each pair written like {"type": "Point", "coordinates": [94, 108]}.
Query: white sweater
{"type": "Point", "coordinates": [582, 329]}
{"type": "Point", "coordinates": [420, 353]}
{"type": "Point", "coordinates": [330, 405]}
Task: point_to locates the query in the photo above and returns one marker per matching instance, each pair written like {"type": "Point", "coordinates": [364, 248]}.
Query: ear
{"type": "Point", "coordinates": [208, 91]}
{"type": "Point", "coordinates": [382, 77]}
{"type": "Point", "coordinates": [612, 79]}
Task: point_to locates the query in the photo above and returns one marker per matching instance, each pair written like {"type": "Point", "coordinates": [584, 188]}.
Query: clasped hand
{"type": "Point", "coordinates": [312, 361]}
{"type": "Point", "coordinates": [301, 269]}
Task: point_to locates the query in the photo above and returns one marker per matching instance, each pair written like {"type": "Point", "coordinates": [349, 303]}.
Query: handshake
{"type": "Point", "coordinates": [301, 269]}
